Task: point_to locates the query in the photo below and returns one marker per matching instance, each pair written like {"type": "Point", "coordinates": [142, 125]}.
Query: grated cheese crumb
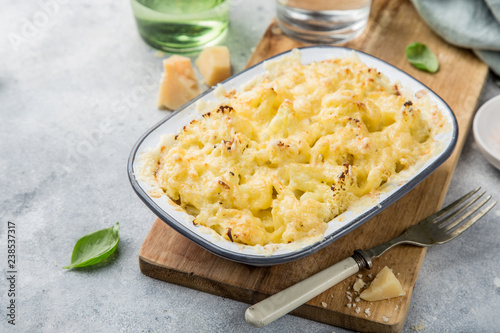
{"type": "Point", "coordinates": [420, 327]}
{"type": "Point", "coordinates": [349, 305]}
{"type": "Point", "coordinates": [323, 304]}
{"type": "Point", "coordinates": [367, 312]}
{"type": "Point", "coordinates": [358, 285]}
{"type": "Point", "coordinates": [358, 309]}
{"type": "Point", "coordinates": [385, 319]}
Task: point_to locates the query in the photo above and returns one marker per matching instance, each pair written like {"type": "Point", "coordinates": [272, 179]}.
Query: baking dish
{"type": "Point", "coordinates": [346, 222]}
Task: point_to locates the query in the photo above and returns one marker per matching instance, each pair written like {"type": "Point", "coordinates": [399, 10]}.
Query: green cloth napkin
{"type": "Point", "coordinates": [473, 24]}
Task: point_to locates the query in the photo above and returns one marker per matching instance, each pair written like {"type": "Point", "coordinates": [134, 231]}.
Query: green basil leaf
{"type": "Point", "coordinates": [95, 247]}
{"type": "Point", "coordinates": [420, 56]}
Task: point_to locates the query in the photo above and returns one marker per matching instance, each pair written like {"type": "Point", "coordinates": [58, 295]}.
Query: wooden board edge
{"type": "Point", "coordinates": [307, 311]}
{"type": "Point", "coordinates": [192, 281]}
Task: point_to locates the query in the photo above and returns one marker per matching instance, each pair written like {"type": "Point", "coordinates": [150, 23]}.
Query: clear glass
{"type": "Point", "coordinates": [322, 21]}
{"type": "Point", "coordinates": [181, 26]}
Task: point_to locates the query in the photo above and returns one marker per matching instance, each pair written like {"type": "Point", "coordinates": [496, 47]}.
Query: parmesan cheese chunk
{"type": "Point", "coordinates": [384, 286]}
{"type": "Point", "coordinates": [179, 84]}
{"type": "Point", "coordinates": [214, 64]}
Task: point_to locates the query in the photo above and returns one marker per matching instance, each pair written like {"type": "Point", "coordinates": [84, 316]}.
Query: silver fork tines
{"type": "Point", "coordinates": [448, 219]}
{"type": "Point", "coordinates": [452, 220]}
{"type": "Point", "coordinates": [448, 225]}
{"type": "Point", "coordinates": [466, 225]}
{"type": "Point", "coordinates": [440, 227]}
{"type": "Point", "coordinates": [449, 209]}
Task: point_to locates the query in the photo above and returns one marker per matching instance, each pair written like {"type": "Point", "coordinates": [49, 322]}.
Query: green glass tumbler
{"type": "Point", "coordinates": [181, 26]}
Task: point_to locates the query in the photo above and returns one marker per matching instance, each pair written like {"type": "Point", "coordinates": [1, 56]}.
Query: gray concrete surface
{"type": "Point", "coordinates": [77, 89]}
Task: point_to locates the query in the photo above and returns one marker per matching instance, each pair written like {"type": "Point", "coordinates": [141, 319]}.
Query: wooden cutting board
{"type": "Point", "coordinates": [393, 24]}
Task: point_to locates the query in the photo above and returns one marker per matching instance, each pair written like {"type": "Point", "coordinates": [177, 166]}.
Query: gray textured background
{"type": "Point", "coordinates": [75, 95]}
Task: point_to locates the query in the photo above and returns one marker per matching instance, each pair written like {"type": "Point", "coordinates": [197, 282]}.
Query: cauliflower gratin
{"type": "Point", "coordinates": [275, 162]}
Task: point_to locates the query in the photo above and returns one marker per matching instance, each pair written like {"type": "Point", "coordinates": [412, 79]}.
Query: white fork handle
{"type": "Point", "coordinates": [278, 305]}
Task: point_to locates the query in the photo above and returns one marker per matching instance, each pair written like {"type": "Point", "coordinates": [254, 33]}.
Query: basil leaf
{"type": "Point", "coordinates": [95, 247]}
{"type": "Point", "coordinates": [420, 56]}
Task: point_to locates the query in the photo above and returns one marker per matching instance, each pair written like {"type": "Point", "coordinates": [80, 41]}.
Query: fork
{"type": "Point", "coordinates": [438, 228]}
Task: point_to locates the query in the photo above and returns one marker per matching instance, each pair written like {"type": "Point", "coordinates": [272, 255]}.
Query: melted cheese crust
{"type": "Point", "coordinates": [296, 147]}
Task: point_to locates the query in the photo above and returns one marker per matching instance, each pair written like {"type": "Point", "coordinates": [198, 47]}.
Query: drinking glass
{"type": "Point", "coordinates": [181, 26]}
{"type": "Point", "coordinates": [323, 21]}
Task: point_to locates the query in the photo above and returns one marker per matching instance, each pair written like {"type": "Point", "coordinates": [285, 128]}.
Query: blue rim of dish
{"type": "Point", "coordinates": [310, 249]}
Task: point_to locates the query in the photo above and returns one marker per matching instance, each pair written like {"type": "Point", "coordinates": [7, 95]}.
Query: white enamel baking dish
{"type": "Point", "coordinates": [338, 227]}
